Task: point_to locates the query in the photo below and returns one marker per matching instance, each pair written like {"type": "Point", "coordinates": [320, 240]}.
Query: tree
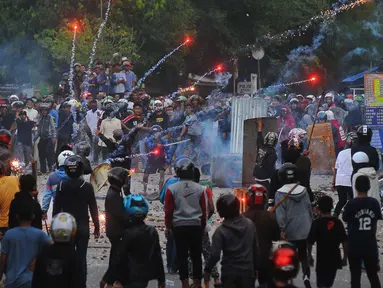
{"type": "Point", "coordinates": [115, 39]}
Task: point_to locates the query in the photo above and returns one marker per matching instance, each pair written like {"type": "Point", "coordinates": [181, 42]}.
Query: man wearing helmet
{"type": "Point", "coordinates": [342, 174]}
{"type": "Point", "coordinates": [75, 196]}
{"type": "Point", "coordinates": [267, 229]}
{"type": "Point", "coordinates": [56, 265]}
{"type": "Point", "coordinates": [139, 258]}
{"type": "Point", "coordinates": [160, 158]}
{"type": "Point", "coordinates": [65, 126]}
{"type": "Point", "coordinates": [266, 156]}
{"type": "Point", "coordinates": [159, 117]}
{"type": "Point", "coordinates": [107, 127]}
{"type": "Point", "coordinates": [185, 216]}
{"type": "Point", "coordinates": [363, 145]}
{"type": "Point", "coordinates": [285, 123]}
{"type": "Point", "coordinates": [53, 180]}
{"type": "Point", "coordinates": [294, 214]}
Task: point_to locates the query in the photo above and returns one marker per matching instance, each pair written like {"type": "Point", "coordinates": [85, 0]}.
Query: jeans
{"type": "Point", "coordinates": [46, 154]}
{"type": "Point", "coordinates": [81, 245]}
{"type": "Point", "coordinates": [371, 265]}
{"type": "Point", "coordinates": [301, 246]}
{"type": "Point", "coordinates": [171, 254]}
{"type": "Point", "coordinates": [344, 192]}
{"type": "Point", "coordinates": [113, 253]}
{"type": "Point", "coordinates": [24, 153]}
{"type": "Point", "coordinates": [189, 238]}
{"type": "Point", "coordinates": [95, 149]}
{"type": "Point", "coordinates": [142, 147]}
{"type": "Point", "coordinates": [237, 282]}
{"type": "Point", "coordinates": [104, 152]}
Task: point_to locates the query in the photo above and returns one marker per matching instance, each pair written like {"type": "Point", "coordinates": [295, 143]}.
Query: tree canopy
{"type": "Point", "coordinates": [36, 37]}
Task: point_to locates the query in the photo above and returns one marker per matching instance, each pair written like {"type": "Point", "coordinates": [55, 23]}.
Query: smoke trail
{"type": "Point", "coordinates": [71, 68]}
{"type": "Point", "coordinates": [96, 40]}
{"type": "Point", "coordinates": [162, 60]}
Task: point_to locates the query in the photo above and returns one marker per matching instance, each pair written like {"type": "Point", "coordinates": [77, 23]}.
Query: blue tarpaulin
{"type": "Point", "coordinates": [359, 76]}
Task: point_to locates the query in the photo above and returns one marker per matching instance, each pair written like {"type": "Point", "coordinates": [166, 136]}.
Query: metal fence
{"type": "Point", "coordinates": [243, 108]}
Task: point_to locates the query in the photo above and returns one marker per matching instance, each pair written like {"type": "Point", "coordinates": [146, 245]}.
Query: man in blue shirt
{"type": "Point", "coordinates": [19, 249]}
{"type": "Point", "coordinates": [131, 78]}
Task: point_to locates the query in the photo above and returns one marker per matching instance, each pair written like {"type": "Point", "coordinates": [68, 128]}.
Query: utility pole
{"type": "Point", "coordinates": [102, 14]}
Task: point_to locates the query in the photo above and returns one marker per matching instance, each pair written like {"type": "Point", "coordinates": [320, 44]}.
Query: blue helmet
{"type": "Point", "coordinates": [136, 206]}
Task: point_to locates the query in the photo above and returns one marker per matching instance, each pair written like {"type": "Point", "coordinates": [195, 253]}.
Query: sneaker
{"type": "Point", "coordinates": [306, 281]}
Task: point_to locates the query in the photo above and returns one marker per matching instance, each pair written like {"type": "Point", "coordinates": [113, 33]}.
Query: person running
{"type": "Point", "coordinates": [328, 232]}
{"type": "Point", "coordinates": [185, 217]}
{"type": "Point", "coordinates": [76, 197]}
{"type": "Point", "coordinates": [361, 215]}
{"type": "Point", "coordinates": [294, 215]}
{"type": "Point", "coordinates": [56, 265]}
{"type": "Point", "coordinates": [267, 229]}
{"type": "Point", "coordinates": [114, 214]}
{"type": "Point", "coordinates": [342, 174]}
{"type": "Point", "coordinates": [236, 238]}
{"type": "Point", "coordinates": [139, 257]}
{"type": "Point", "coordinates": [19, 249]}
{"type": "Point", "coordinates": [27, 195]}
{"type": "Point", "coordinates": [53, 180]}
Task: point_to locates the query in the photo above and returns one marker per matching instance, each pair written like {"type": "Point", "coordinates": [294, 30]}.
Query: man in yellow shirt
{"type": "Point", "coordinates": [9, 186]}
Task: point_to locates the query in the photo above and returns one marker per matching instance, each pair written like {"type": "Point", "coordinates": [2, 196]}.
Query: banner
{"type": "Point", "coordinates": [373, 88]}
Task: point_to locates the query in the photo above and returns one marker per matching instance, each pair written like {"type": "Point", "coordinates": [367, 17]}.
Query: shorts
{"type": "Point", "coordinates": [326, 276]}
{"type": "Point", "coordinates": [154, 166]}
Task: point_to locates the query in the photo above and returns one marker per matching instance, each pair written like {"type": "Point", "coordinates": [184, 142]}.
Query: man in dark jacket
{"type": "Point", "coordinates": [114, 212]}
{"type": "Point", "coordinates": [76, 197]}
{"type": "Point", "coordinates": [65, 126]}
{"type": "Point", "coordinates": [139, 258]}
{"type": "Point", "coordinates": [26, 196]}
{"type": "Point", "coordinates": [266, 157]}
{"type": "Point", "coordinates": [363, 145]}
{"type": "Point", "coordinates": [267, 230]}
{"type": "Point", "coordinates": [236, 238]}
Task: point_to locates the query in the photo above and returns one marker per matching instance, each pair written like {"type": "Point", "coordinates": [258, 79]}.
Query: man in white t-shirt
{"type": "Point", "coordinates": [343, 173]}
{"type": "Point", "coordinates": [31, 112]}
{"type": "Point", "coordinates": [119, 81]}
{"type": "Point", "coordinates": [92, 117]}
{"type": "Point", "coordinates": [108, 125]}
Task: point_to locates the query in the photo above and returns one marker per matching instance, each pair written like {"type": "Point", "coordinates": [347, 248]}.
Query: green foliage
{"type": "Point", "coordinates": [115, 39]}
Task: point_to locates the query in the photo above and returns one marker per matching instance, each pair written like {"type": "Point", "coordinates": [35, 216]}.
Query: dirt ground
{"type": "Point", "coordinates": [98, 252]}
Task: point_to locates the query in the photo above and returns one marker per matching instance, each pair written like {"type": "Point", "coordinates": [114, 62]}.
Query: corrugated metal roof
{"type": "Point", "coordinates": [358, 76]}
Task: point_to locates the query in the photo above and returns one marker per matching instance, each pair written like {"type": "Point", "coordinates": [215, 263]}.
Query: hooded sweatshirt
{"type": "Point", "coordinates": [370, 172]}
{"type": "Point", "coordinates": [50, 190]}
{"type": "Point", "coordinates": [237, 239]}
{"type": "Point", "coordinates": [285, 124]}
{"type": "Point", "coordinates": [22, 198]}
{"type": "Point", "coordinates": [294, 216]}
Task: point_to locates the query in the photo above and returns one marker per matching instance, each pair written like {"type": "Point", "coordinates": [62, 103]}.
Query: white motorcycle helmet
{"type": "Point", "coordinates": [62, 157]}
{"type": "Point", "coordinates": [13, 98]}
{"type": "Point", "coordinates": [63, 228]}
{"type": "Point", "coordinates": [157, 105]}
{"type": "Point", "coordinates": [168, 102]}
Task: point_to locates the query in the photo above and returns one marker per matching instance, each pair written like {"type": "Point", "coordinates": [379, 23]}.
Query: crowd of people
{"type": "Point", "coordinates": [108, 120]}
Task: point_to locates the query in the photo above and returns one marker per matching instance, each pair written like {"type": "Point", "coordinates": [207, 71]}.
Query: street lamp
{"type": "Point", "coordinates": [258, 55]}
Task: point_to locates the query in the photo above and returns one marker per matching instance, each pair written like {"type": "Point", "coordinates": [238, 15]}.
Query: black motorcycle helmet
{"type": "Point", "coordinates": [364, 134]}
{"type": "Point", "coordinates": [285, 262]}
{"type": "Point", "coordinates": [287, 173]}
{"type": "Point", "coordinates": [5, 138]}
{"type": "Point", "coordinates": [74, 167]}
{"type": "Point", "coordinates": [185, 169]}
{"type": "Point", "coordinates": [228, 206]}
{"type": "Point", "coordinates": [117, 176]}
